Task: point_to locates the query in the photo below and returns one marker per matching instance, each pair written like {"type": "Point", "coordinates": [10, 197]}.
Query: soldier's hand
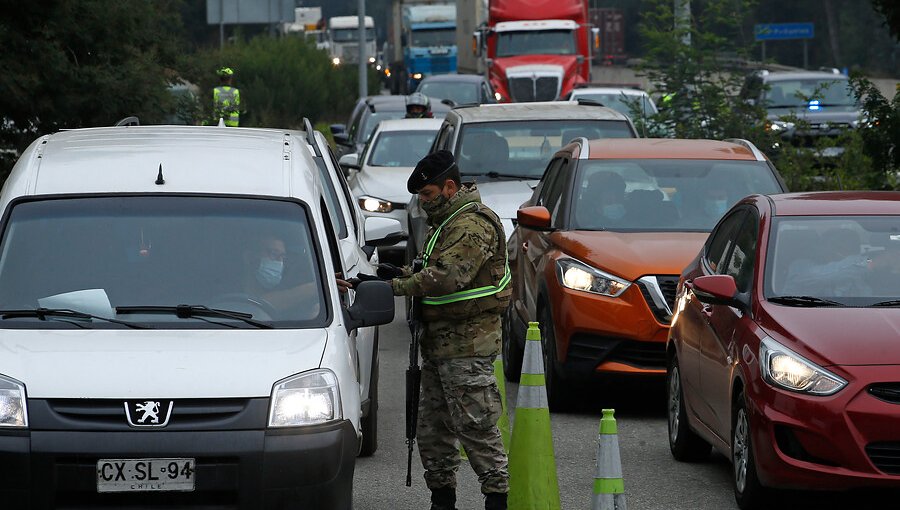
{"type": "Point", "coordinates": [388, 271]}
{"type": "Point", "coordinates": [362, 277]}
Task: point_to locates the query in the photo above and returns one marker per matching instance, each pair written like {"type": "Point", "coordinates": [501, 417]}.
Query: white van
{"type": "Point", "coordinates": [171, 331]}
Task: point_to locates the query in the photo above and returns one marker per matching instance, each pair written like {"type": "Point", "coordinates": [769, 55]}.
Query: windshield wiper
{"type": "Point", "coordinates": [808, 301]}
{"type": "Point", "coordinates": [195, 311]}
{"type": "Point", "coordinates": [497, 175]}
{"type": "Point", "coordinates": [890, 302]}
{"type": "Point", "coordinates": [65, 313]}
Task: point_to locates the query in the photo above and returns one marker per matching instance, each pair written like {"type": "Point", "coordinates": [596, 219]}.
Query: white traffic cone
{"type": "Point", "coordinates": [609, 488]}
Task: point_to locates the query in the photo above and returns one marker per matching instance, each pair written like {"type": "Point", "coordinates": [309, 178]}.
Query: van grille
{"type": "Point", "coordinates": [109, 414]}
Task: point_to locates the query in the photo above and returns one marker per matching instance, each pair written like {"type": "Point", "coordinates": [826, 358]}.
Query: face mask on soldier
{"type": "Point", "coordinates": [435, 204]}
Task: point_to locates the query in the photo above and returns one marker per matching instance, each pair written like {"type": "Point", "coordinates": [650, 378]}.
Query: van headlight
{"type": "Point", "coordinates": [305, 399]}
{"type": "Point", "coordinates": [576, 275]}
{"type": "Point", "coordinates": [375, 204]}
{"type": "Point", "coordinates": [12, 403]}
{"type": "Point", "coordinates": [784, 368]}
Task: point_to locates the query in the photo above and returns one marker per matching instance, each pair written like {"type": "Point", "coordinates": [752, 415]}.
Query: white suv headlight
{"type": "Point", "coordinates": [12, 403]}
{"type": "Point", "coordinates": [576, 275]}
{"type": "Point", "coordinates": [305, 399]}
{"type": "Point", "coordinates": [375, 204]}
{"type": "Point", "coordinates": [784, 368]}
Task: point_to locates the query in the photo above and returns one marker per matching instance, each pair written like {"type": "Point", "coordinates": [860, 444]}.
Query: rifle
{"type": "Point", "coordinates": [413, 376]}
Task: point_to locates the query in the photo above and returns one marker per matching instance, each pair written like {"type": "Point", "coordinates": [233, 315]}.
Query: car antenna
{"type": "Point", "coordinates": [159, 177]}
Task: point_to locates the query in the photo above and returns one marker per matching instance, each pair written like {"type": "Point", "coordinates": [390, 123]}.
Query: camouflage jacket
{"type": "Point", "coordinates": [469, 253]}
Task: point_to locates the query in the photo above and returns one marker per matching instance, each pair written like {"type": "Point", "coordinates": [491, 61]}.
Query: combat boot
{"type": "Point", "coordinates": [495, 501]}
{"type": "Point", "coordinates": [444, 499]}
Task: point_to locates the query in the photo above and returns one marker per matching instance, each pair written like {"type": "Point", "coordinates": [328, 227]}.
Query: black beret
{"type": "Point", "coordinates": [430, 170]}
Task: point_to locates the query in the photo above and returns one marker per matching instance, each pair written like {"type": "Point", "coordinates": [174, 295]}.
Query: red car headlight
{"type": "Point", "coordinates": [784, 368]}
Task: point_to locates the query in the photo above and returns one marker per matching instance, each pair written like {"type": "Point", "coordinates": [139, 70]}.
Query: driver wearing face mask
{"type": "Point", "coordinates": [264, 277]}
{"type": "Point", "coordinates": [605, 191]}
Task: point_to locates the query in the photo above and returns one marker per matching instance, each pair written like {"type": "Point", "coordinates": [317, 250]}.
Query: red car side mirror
{"type": "Point", "coordinates": [718, 289]}
{"type": "Point", "coordinates": [536, 217]}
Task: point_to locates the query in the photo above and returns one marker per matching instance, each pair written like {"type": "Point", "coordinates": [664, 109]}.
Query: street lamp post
{"type": "Point", "coordinates": [363, 60]}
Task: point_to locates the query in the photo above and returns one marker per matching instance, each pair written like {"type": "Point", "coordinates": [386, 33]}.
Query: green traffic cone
{"type": "Point", "coordinates": [533, 484]}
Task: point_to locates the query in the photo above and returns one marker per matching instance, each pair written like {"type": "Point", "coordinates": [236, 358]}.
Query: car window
{"type": "Point", "coordinates": [345, 188]}
{"type": "Point", "coordinates": [677, 195]}
{"type": "Point", "coordinates": [631, 105]}
{"type": "Point", "coordinates": [458, 92]}
{"type": "Point", "coordinates": [399, 148]}
{"type": "Point", "coordinates": [370, 122]}
{"type": "Point", "coordinates": [444, 136]}
{"type": "Point", "coordinates": [522, 148]}
{"type": "Point", "coordinates": [92, 254]}
{"type": "Point", "coordinates": [553, 193]}
{"type": "Point", "coordinates": [801, 93]}
{"type": "Point", "coordinates": [546, 184]}
{"type": "Point", "coordinates": [721, 240]}
{"type": "Point", "coordinates": [335, 210]}
{"type": "Point", "coordinates": [743, 253]}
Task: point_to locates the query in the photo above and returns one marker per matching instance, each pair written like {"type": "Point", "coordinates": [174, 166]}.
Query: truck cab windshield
{"type": "Point", "coordinates": [536, 42]}
{"type": "Point", "coordinates": [434, 37]}
{"type": "Point", "coordinates": [351, 34]}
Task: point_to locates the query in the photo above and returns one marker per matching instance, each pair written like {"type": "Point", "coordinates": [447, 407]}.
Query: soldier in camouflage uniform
{"type": "Point", "coordinates": [461, 333]}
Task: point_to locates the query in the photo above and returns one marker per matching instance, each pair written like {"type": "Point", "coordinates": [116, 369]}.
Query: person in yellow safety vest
{"type": "Point", "coordinates": [227, 99]}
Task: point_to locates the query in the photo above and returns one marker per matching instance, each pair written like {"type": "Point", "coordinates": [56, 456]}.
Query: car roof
{"type": "Point", "coordinates": [801, 75]}
{"type": "Point", "coordinates": [394, 103]}
{"type": "Point", "coordinates": [628, 91]}
{"type": "Point", "coordinates": [194, 159]}
{"type": "Point", "coordinates": [409, 125]}
{"type": "Point", "coordinates": [454, 78]}
{"type": "Point", "coordinates": [546, 110]}
{"type": "Point", "coordinates": [668, 148]}
{"type": "Point", "coordinates": [837, 203]}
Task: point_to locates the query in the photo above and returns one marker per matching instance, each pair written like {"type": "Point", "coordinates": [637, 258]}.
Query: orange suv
{"type": "Point", "coordinates": [598, 249]}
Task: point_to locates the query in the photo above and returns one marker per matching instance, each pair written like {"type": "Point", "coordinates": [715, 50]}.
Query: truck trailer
{"type": "Point", "coordinates": [536, 50]}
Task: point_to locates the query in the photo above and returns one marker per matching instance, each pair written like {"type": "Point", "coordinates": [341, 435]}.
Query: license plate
{"type": "Point", "coordinates": [145, 475]}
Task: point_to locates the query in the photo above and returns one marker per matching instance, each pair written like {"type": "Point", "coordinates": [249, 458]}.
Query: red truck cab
{"type": "Point", "coordinates": [536, 50]}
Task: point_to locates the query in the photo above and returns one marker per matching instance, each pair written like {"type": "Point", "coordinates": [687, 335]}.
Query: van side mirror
{"type": "Point", "coordinates": [342, 139]}
{"type": "Point", "coordinates": [349, 162]}
{"type": "Point", "coordinates": [373, 306]}
{"type": "Point", "coordinates": [383, 231]}
{"type": "Point", "coordinates": [476, 43]}
{"type": "Point", "coordinates": [337, 128]}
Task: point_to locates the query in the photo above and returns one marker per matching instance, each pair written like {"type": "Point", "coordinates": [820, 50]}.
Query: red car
{"type": "Point", "coordinates": [784, 350]}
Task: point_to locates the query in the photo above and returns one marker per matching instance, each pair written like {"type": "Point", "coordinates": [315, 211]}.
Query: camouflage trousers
{"type": "Point", "coordinates": [460, 403]}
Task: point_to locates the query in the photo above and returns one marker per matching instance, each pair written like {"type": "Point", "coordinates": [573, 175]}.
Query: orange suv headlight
{"type": "Point", "coordinates": [576, 275]}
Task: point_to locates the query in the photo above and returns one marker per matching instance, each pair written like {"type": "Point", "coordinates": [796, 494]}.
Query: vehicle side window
{"type": "Point", "coordinates": [743, 254]}
{"type": "Point", "coordinates": [720, 241]}
{"type": "Point", "coordinates": [443, 138]}
{"type": "Point", "coordinates": [333, 249]}
{"type": "Point", "coordinates": [547, 181]}
{"type": "Point", "coordinates": [342, 180]}
{"type": "Point", "coordinates": [487, 97]}
{"type": "Point", "coordinates": [334, 210]}
{"type": "Point", "coordinates": [355, 123]}
{"type": "Point", "coordinates": [555, 190]}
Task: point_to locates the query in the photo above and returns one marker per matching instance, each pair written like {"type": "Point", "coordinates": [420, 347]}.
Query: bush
{"type": "Point", "coordinates": [281, 81]}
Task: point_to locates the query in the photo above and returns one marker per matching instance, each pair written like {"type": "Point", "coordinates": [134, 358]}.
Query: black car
{"type": "Point", "coordinates": [803, 106]}
{"type": "Point", "coordinates": [369, 111]}
{"type": "Point", "coordinates": [458, 88]}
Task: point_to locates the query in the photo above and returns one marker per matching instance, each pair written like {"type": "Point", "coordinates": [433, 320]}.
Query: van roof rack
{"type": "Point", "coordinates": [583, 101]}
{"type": "Point", "coordinates": [128, 121]}
{"type": "Point", "coordinates": [311, 137]}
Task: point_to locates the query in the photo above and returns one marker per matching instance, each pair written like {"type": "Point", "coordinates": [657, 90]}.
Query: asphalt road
{"type": "Point", "coordinates": [653, 480]}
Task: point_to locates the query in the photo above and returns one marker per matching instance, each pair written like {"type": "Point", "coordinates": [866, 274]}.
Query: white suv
{"type": "Point", "coordinates": [171, 328]}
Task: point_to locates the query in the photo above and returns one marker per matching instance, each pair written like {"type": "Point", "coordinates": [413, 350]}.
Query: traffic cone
{"type": "Point", "coordinates": [609, 489]}
{"type": "Point", "coordinates": [503, 422]}
{"type": "Point", "coordinates": [532, 469]}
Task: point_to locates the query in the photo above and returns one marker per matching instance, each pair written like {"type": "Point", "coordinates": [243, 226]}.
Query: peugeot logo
{"type": "Point", "coordinates": [148, 413]}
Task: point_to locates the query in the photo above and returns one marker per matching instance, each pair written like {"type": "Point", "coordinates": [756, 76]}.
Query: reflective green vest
{"type": "Point", "coordinates": [465, 295]}
{"type": "Point", "coordinates": [227, 104]}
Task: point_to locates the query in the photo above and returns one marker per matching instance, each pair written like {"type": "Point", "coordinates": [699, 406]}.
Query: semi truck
{"type": "Point", "coordinates": [536, 50]}
{"type": "Point", "coordinates": [309, 24]}
{"type": "Point", "coordinates": [343, 39]}
{"type": "Point", "coordinates": [421, 41]}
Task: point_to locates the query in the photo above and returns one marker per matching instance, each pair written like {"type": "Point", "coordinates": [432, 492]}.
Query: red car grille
{"type": "Point", "coordinates": [885, 456]}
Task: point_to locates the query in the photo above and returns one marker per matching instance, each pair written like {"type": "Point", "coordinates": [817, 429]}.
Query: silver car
{"type": "Point", "coordinates": [378, 177]}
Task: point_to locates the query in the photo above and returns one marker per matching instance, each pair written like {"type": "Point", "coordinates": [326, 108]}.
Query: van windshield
{"type": "Point", "coordinates": [136, 258]}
